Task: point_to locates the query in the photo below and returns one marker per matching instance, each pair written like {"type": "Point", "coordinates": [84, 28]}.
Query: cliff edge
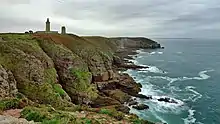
{"type": "Point", "coordinates": [53, 78]}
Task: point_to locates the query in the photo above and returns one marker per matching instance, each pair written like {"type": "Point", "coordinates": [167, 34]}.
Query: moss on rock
{"type": "Point", "coordinates": [72, 70]}
{"type": "Point", "coordinates": [22, 55]}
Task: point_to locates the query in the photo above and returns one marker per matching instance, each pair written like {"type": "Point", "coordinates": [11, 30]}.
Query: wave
{"type": "Point", "coordinates": [202, 76]}
{"type": "Point", "coordinates": [152, 69]}
{"type": "Point", "coordinates": [160, 118]}
{"type": "Point", "coordinates": [152, 53]}
{"type": "Point", "coordinates": [196, 95]}
{"type": "Point", "coordinates": [190, 119]}
{"type": "Point", "coordinates": [140, 51]}
{"type": "Point", "coordinates": [132, 61]}
{"type": "Point", "coordinates": [160, 52]}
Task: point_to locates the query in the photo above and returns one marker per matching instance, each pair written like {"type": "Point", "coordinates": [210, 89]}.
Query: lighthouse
{"type": "Point", "coordinates": [48, 25]}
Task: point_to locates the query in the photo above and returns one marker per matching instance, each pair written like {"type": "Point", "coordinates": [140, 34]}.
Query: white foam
{"type": "Point", "coordinates": [148, 89]}
{"type": "Point", "coordinates": [165, 107]}
{"type": "Point", "coordinates": [132, 61]}
{"type": "Point", "coordinates": [160, 52]}
{"type": "Point", "coordinates": [179, 52]}
{"type": "Point", "coordinates": [152, 69]}
{"type": "Point", "coordinates": [190, 119]}
{"type": "Point", "coordinates": [160, 118]}
{"type": "Point", "coordinates": [171, 80]}
{"type": "Point", "coordinates": [196, 95]}
{"type": "Point", "coordinates": [202, 76]}
{"type": "Point", "coordinates": [139, 51]}
{"type": "Point", "coordinates": [152, 53]}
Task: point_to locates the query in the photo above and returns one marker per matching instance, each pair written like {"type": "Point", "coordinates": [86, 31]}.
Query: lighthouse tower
{"type": "Point", "coordinates": [48, 25]}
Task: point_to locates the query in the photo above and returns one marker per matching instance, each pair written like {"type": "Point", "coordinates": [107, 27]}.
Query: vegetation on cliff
{"type": "Point", "coordinates": [59, 78]}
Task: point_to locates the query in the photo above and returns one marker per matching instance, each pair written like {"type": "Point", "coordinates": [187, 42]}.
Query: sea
{"type": "Point", "coordinates": [187, 71]}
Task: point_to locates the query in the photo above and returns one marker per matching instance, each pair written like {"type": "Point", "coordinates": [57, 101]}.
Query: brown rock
{"type": "Point", "coordinates": [108, 85]}
{"type": "Point", "coordinates": [13, 112]}
{"type": "Point", "coordinates": [128, 85]}
{"type": "Point", "coordinates": [143, 96]}
{"type": "Point", "coordinates": [118, 95]}
{"type": "Point", "coordinates": [123, 109]}
{"type": "Point", "coordinates": [111, 74]}
{"type": "Point", "coordinates": [105, 76]}
{"type": "Point", "coordinates": [141, 107]}
{"type": "Point", "coordinates": [104, 101]}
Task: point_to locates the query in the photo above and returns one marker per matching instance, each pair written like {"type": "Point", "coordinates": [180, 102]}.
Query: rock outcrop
{"type": "Point", "coordinates": [8, 85]}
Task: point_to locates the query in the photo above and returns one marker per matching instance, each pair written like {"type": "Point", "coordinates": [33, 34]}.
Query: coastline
{"type": "Point", "coordinates": [73, 73]}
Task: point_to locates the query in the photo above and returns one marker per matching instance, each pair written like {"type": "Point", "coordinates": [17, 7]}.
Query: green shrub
{"type": "Point", "coordinates": [33, 115]}
{"type": "Point", "coordinates": [105, 111]}
{"type": "Point", "coordinates": [59, 90]}
{"type": "Point", "coordinates": [9, 104]}
{"type": "Point", "coordinates": [54, 121]}
{"type": "Point", "coordinates": [87, 121]}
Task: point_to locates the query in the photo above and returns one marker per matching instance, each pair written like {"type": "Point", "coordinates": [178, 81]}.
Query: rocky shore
{"type": "Point", "coordinates": [54, 78]}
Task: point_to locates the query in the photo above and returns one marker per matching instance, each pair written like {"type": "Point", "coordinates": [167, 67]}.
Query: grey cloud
{"type": "Point", "coordinates": [150, 18]}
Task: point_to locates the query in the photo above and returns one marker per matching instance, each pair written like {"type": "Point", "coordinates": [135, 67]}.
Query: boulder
{"type": "Point", "coordinates": [102, 101]}
{"type": "Point", "coordinates": [143, 96]}
{"type": "Point", "coordinates": [168, 100]}
{"type": "Point", "coordinates": [141, 107]}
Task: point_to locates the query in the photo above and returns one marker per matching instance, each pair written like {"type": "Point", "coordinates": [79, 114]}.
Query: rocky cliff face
{"type": "Point", "coordinates": [8, 85]}
{"type": "Point", "coordinates": [63, 70]}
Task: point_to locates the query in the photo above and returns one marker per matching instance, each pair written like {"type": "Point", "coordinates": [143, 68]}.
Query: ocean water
{"type": "Point", "coordinates": [188, 71]}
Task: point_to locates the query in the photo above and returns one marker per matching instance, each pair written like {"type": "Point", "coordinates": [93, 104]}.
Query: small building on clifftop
{"type": "Point", "coordinates": [48, 30]}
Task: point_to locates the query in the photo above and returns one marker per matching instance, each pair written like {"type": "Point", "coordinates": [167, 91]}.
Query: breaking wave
{"type": "Point", "coordinates": [202, 76]}
{"type": "Point", "coordinates": [190, 119]}
{"type": "Point", "coordinates": [152, 69]}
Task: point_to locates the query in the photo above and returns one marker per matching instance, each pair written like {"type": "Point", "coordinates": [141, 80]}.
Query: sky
{"type": "Point", "coordinates": [148, 18]}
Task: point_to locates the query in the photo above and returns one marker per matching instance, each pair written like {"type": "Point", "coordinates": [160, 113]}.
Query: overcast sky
{"type": "Point", "coordinates": [150, 18]}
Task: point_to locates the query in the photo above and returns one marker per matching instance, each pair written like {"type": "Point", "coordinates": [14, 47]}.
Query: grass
{"type": "Point", "coordinates": [113, 113]}
{"type": "Point", "coordinates": [9, 104]}
{"type": "Point", "coordinates": [46, 115]}
{"type": "Point", "coordinates": [50, 77]}
{"type": "Point", "coordinates": [105, 111]}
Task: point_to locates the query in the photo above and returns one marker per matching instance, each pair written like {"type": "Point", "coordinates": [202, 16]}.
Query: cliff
{"type": "Point", "coordinates": [52, 78]}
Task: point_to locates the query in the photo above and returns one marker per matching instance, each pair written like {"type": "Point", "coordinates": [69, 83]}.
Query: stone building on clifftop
{"type": "Point", "coordinates": [48, 30]}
